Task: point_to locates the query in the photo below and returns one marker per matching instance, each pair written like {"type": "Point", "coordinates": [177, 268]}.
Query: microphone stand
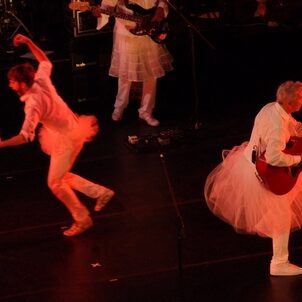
{"type": "Point", "coordinates": [9, 17]}
{"type": "Point", "coordinates": [179, 220]}
{"type": "Point", "coordinates": [20, 25]}
{"type": "Point", "coordinates": [193, 31]}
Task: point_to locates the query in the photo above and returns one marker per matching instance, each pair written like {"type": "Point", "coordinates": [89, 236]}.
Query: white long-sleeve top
{"type": "Point", "coordinates": [42, 104]}
{"type": "Point", "coordinates": [272, 130]}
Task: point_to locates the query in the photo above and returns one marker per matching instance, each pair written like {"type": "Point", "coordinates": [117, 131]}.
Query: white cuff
{"type": "Point", "coordinates": [102, 21]}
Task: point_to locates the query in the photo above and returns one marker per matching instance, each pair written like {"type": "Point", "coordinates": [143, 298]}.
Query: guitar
{"type": "Point", "coordinates": [142, 17]}
{"type": "Point", "coordinates": [280, 180]}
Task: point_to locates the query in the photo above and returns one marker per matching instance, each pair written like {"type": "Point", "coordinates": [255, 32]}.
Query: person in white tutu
{"type": "Point", "coordinates": [234, 193]}
{"type": "Point", "coordinates": [62, 135]}
{"type": "Point", "coordinates": [136, 58]}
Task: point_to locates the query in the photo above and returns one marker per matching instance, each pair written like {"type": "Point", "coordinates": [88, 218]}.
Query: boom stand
{"type": "Point", "coordinates": [179, 221]}
{"type": "Point", "coordinates": [20, 25]}
{"type": "Point", "coordinates": [193, 30]}
{"type": "Point", "coordinates": [10, 18]}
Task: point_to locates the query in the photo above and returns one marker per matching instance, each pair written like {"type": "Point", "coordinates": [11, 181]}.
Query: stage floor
{"type": "Point", "coordinates": [156, 240]}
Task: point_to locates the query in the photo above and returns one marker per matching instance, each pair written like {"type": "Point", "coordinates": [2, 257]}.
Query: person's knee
{"type": "Point", "coordinates": [56, 185]}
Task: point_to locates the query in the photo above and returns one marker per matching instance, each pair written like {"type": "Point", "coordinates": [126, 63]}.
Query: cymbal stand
{"type": "Point", "coordinates": [10, 19]}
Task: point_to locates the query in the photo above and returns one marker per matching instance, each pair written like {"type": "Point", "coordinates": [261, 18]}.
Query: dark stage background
{"type": "Point", "coordinates": [221, 51]}
{"type": "Point", "coordinates": [156, 241]}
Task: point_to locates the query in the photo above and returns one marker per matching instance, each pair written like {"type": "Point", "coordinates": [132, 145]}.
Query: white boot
{"type": "Point", "coordinates": [280, 265]}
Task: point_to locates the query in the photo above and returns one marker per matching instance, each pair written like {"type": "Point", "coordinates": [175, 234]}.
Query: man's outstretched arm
{"type": "Point", "coordinates": [38, 53]}
{"type": "Point", "coordinates": [13, 141]}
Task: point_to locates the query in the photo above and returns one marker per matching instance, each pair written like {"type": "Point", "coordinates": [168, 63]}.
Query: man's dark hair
{"type": "Point", "coordinates": [22, 73]}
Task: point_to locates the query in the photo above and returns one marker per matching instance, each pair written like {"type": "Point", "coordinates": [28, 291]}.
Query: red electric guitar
{"type": "Point", "coordinates": [142, 17]}
{"type": "Point", "coordinates": [280, 180]}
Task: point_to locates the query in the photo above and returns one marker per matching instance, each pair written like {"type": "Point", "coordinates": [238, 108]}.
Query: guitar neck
{"type": "Point", "coordinates": [113, 13]}
{"type": "Point", "coordinates": [142, 17]}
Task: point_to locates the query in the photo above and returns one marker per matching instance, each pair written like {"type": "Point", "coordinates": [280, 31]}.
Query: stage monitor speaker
{"type": "Point", "coordinates": [86, 85]}
{"type": "Point", "coordinates": [90, 51]}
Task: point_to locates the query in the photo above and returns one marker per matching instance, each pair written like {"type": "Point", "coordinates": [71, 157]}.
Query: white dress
{"type": "Point", "coordinates": [234, 193]}
{"type": "Point", "coordinates": [136, 58]}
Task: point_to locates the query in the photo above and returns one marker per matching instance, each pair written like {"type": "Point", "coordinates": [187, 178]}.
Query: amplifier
{"type": "Point", "coordinates": [88, 51]}
{"type": "Point", "coordinates": [82, 23]}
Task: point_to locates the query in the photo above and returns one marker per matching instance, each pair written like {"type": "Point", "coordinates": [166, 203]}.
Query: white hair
{"type": "Point", "coordinates": [288, 91]}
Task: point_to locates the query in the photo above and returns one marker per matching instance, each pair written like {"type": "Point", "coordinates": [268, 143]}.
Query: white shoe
{"type": "Point", "coordinates": [103, 199]}
{"type": "Point", "coordinates": [285, 269]}
{"type": "Point", "coordinates": [117, 114]}
{"type": "Point", "coordinates": [272, 24]}
{"type": "Point", "coordinates": [149, 119]}
{"type": "Point", "coordinates": [79, 227]}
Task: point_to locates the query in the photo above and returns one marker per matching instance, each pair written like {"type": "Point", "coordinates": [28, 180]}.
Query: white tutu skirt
{"type": "Point", "coordinates": [137, 58]}
{"type": "Point", "coordinates": [57, 142]}
{"type": "Point", "coordinates": [234, 193]}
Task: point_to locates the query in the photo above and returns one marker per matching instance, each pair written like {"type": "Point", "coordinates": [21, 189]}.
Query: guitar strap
{"type": "Point", "coordinates": [126, 3]}
{"type": "Point", "coordinates": [135, 7]}
{"type": "Point", "coordinates": [129, 6]}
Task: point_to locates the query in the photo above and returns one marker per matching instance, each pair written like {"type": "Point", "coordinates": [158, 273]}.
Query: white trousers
{"type": "Point", "coordinates": [280, 248]}
{"type": "Point", "coordinates": [63, 183]}
{"type": "Point", "coordinates": [148, 95]}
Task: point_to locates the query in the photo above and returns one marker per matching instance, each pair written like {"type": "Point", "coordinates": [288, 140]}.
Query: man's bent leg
{"type": "Point", "coordinates": [60, 164]}
{"type": "Point", "coordinates": [90, 189]}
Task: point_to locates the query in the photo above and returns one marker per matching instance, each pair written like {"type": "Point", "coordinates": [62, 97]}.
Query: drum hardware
{"type": "Point", "coordinates": [10, 23]}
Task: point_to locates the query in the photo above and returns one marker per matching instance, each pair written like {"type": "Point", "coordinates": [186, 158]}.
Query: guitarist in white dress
{"type": "Point", "coordinates": [136, 58]}
{"type": "Point", "coordinates": [234, 193]}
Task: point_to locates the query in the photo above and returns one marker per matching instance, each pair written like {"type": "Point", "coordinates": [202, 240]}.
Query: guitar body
{"type": "Point", "coordinates": [157, 31]}
{"type": "Point", "coordinates": [280, 180]}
